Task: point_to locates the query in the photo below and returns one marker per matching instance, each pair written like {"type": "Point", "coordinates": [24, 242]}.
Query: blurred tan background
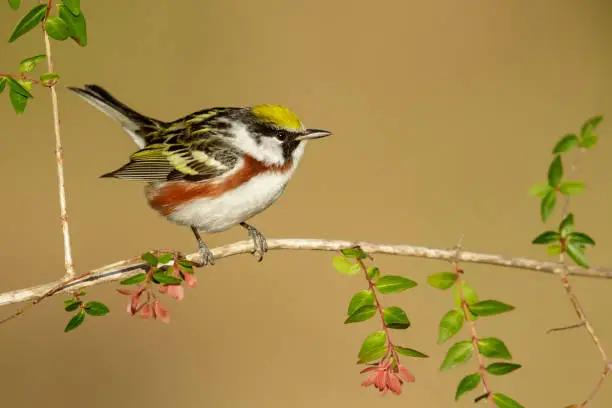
{"type": "Point", "coordinates": [444, 114]}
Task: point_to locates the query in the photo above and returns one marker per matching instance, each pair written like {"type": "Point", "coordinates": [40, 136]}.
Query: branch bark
{"type": "Point", "coordinates": [69, 265]}
{"type": "Point", "coordinates": [129, 267]}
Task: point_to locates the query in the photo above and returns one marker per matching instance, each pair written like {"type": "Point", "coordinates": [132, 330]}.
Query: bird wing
{"type": "Point", "coordinates": [191, 148]}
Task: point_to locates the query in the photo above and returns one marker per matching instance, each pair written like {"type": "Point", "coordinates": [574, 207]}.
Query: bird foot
{"type": "Point", "coordinates": [259, 241]}
{"type": "Point", "coordinates": [206, 255]}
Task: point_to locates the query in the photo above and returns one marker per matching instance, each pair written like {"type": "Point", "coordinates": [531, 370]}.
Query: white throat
{"type": "Point", "coordinates": [268, 151]}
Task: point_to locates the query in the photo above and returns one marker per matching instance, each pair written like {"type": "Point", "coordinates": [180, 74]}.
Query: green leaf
{"type": "Point", "coordinates": [18, 101]}
{"type": "Point", "coordinates": [18, 88]}
{"type": "Point", "coordinates": [410, 352]}
{"type": "Point", "coordinates": [28, 64]}
{"type": "Point", "coordinates": [132, 280]}
{"type": "Point", "coordinates": [373, 347]}
{"type": "Point", "coordinates": [493, 347]}
{"type": "Point", "coordinates": [75, 322]}
{"type": "Point", "coordinates": [548, 205]}
{"type": "Point", "coordinates": [72, 304]}
{"type": "Point", "coordinates": [539, 190]}
{"type": "Point", "coordinates": [96, 309]}
{"type": "Point", "coordinates": [185, 266]}
{"type": "Point", "coordinates": [467, 384]}
{"type": "Point", "coordinates": [354, 253]}
{"type": "Point", "coordinates": [547, 237]}
{"type": "Point", "coordinates": [589, 140]}
{"type": "Point", "coordinates": [450, 324]}
{"type": "Point", "coordinates": [567, 143]}
{"type": "Point", "coordinates": [577, 254]}
{"type": "Point", "coordinates": [362, 314]}
{"type": "Point", "coordinates": [468, 293]}
{"type": "Point", "coordinates": [459, 352]}
{"type": "Point", "coordinates": [591, 124]}
{"type": "Point", "coordinates": [555, 172]}
{"type": "Point", "coordinates": [554, 249]}
{"type": "Point", "coordinates": [581, 238]}
{"type": "Point", "coordinates": [149, 258]}
{"type": "Point", "coordinates": [442, 280]}
{"type": "Point", "coordinates": [14, 4]}
{"type": "Point", "coordinates": [567, 225]}
{"type": "Point", "coordinates": [161, 277]}
{"type": "Point", "coordinates": [504, 401]}
{"type": "Point", "coordinates": [77, 24]}
{"type": "Point", "coordinates": [73, 5]}
{"type": "Point", "coordinates": [165, 258]}
{"type": "Point", "coordinates": [587, 133]}
{"type": "Point", "coordinates": [58, 29]}
{"type": "Point", "coordinates": [373, 273]}
{"type": "Point", "coordinates": [490, 308]}
{"type": "Point", "coordinates": [344, 266]}
{"type": "Point", "coordinates": [571, 187]}
{"type": "Point", "coordinates": [2, 84]}
{"type": "Point", "coordinates": [364, 297]}
{"type": "Point", "coordinates": [28, 22]}
{"type": "Point", "coordinates": [395, 318]}
{"type": "Point", "coordinates": [393, 284]}
{"type": "Point", "coordinates": [49, 79]}
{"type": "Point", "coordinates": [502, 368]}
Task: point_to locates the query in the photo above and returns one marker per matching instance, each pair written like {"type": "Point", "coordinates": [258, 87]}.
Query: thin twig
{"type": "Point", "coordinates": [129, 267]}
{"type": "Point", "coordinates": [569, 291]}
{"type": "Point", "coordinates": [68, 263]}
{"type": "Point", "coordinates": [391, 351]}
{"type": "Point", "coordinates": [20, 76]}
{"type": "Point", "coordinates": [473, 334]}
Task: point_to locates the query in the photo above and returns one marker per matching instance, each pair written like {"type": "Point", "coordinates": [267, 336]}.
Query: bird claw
{"type": "Point", "coordinates": [206, 255]}
{"type": "Point", "coordinates": [259, 241]}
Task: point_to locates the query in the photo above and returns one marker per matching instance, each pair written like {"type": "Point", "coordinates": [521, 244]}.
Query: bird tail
{"type": "Point", "coordinates": [134, 123]}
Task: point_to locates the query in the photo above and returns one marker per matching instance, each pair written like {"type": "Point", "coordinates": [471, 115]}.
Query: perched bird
{"type": "Point", "coordinates": [214, 168]}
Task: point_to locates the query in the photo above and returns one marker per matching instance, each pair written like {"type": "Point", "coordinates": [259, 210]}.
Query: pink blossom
{"type": "Point", "coordinates": [176, 292]}
{"type": "Point", "coordinates": [387, 377]}
{"type": "Point", "coordinates": [160, 312]}
{"type": "Point", "coordinates": [190, 280]}
{"type": "Point", "coordinates": [146, 312]}
{"type": "Point", "coordinates": [133, 305]}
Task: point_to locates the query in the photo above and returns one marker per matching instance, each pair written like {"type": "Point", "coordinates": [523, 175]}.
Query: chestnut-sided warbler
{"type": "Point", "coordinates": [214, 168]}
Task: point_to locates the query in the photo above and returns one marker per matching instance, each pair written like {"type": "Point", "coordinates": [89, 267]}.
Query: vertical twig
{"type": "Point", "coordinates": [471, 324]}
{"type": "Point", "coordinates": [69, 266]}
{"type": "Point", "coordinates": [584, 321]}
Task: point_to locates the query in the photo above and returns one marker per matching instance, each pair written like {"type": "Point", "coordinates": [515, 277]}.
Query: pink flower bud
{"type": "Point", "coordinates": [190, 280]}
{"type": "Point", "coordinates": [176, 292]}
{"type": "Point", "coordinates": [146, 312]}
{"type": "Point", "coordinates": [160, 312]}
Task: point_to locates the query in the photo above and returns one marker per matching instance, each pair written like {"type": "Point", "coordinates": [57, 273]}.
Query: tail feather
{"type": "Point", "coordinates": [134, 123]}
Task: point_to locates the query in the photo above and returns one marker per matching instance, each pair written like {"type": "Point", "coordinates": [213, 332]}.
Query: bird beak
{"type": "Point", "coordinates": [312, 134]}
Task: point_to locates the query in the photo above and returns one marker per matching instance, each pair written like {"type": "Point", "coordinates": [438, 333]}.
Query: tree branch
{"type": "Point", "coordinates": [129, 267]}
{"type": "Point", "coordinates": [69, 265]}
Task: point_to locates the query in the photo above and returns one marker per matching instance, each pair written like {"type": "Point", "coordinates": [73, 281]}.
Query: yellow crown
{"type": "Point", "coordinates": [278, 115]}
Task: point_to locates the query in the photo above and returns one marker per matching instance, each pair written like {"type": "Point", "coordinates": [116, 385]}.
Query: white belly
{"type": "Point", "coordinates": [220, 213]}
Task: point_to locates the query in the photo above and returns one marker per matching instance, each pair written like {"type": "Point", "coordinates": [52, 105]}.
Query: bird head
{"type": "Point", "coordinates": [272, 133]}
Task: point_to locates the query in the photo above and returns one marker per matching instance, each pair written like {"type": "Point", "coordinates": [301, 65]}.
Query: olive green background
{"type": "Point", "coordinates": [444, 113]}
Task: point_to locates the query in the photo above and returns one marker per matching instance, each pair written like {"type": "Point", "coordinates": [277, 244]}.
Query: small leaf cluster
{"type": "Point", "coordinates": [67, 22]}
{"type": "Point", "coordinates": [566, 240]}
{"type": "Point", "coordinates": [469, 308]}
{"type": "Point", "coordinates": [20, 85]}
{"type": "Point", "coordinates": [83, 309]}
{"type": "Point", "coordinates": [555, 183]}
{"type": "Point", "coordinates": [363, 305]}
{"type": "Point", "coordinates": [160, 272]}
